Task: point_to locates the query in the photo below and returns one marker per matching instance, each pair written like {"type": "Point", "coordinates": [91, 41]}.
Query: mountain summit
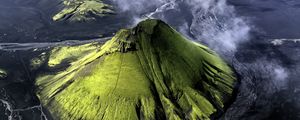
{"type": "Point", "coordinates": [148, 72]}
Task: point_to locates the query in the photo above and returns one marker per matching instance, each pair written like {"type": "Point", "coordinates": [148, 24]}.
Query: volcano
{"type": "Point", "coordinates": [148, 72]}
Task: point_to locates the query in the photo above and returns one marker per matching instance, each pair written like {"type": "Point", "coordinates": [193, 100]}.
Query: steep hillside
{"type": "Point", "coordinates": [148, 72]}
{"type": "Point", "coordinates": [83, 10]}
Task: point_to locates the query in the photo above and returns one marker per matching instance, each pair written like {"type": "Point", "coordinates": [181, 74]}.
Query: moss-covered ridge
{"type": "Point", "coordinates": [148, 72]}
{"type": "Point", "coordinates": [82, 10]}
{"type": "Point", "coordinates": [3, 74]}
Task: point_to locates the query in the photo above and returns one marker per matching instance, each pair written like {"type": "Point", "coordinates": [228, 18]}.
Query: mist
{"type": "Point", "coordinates": [217, 25]}
{"type": "Point", "coordinates": [212, 22]}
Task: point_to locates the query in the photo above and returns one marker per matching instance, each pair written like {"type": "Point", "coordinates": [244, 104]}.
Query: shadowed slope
{"type": "Point", "coordinates": [148, 72]}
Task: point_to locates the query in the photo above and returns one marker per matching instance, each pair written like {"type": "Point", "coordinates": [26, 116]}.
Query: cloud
{"type": "Point", "coordinates": [216, 24]}
{"type": "Point", "coordinates": [280, 76]}
{"type": "Point", "coordinates": [213, 21]}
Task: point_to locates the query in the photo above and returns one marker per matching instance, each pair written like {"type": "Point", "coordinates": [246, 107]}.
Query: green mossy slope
{"type": "Point", "coordinates": [148, 72]}
{"type": "Point", "coordinates": [83, 10]}
{"type": "Point", "coordinates": [3, 74]}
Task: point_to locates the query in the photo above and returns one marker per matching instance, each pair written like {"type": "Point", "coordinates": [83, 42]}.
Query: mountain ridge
{"type": "Point", "coordinates": [148, 72]}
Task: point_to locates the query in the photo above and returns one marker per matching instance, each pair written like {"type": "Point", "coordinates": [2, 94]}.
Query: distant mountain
{"type": "Point", "coordinates": [32, 20]}
{"type": "Point", "coordinates": [83, 10]}
{"type": "Point", "coordinates": [148, 72]}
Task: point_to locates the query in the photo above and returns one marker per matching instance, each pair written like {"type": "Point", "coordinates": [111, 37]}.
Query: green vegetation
{"type": "Point", "coordinates": [38, 61]}
{"type": "Point", "coordinates": [3, 73]}
{"type": "Point", "coordinates": [83, 10]}
{"type": "Point", "coordinates": [148, 72]}
{"type": "Point", "coordinates": [61, 54]}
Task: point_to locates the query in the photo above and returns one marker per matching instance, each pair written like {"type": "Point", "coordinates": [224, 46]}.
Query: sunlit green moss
{"type": "Point", "coordinates": [38, 61]}
{"type": "Point", "coordinates": [3, 73]}
{"type": "Point", "coordinates": [83, 10]}
{"type": "Point", "coordinates": [69, 53]}
{"type": "Point", "coordinates": [148, 72]}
